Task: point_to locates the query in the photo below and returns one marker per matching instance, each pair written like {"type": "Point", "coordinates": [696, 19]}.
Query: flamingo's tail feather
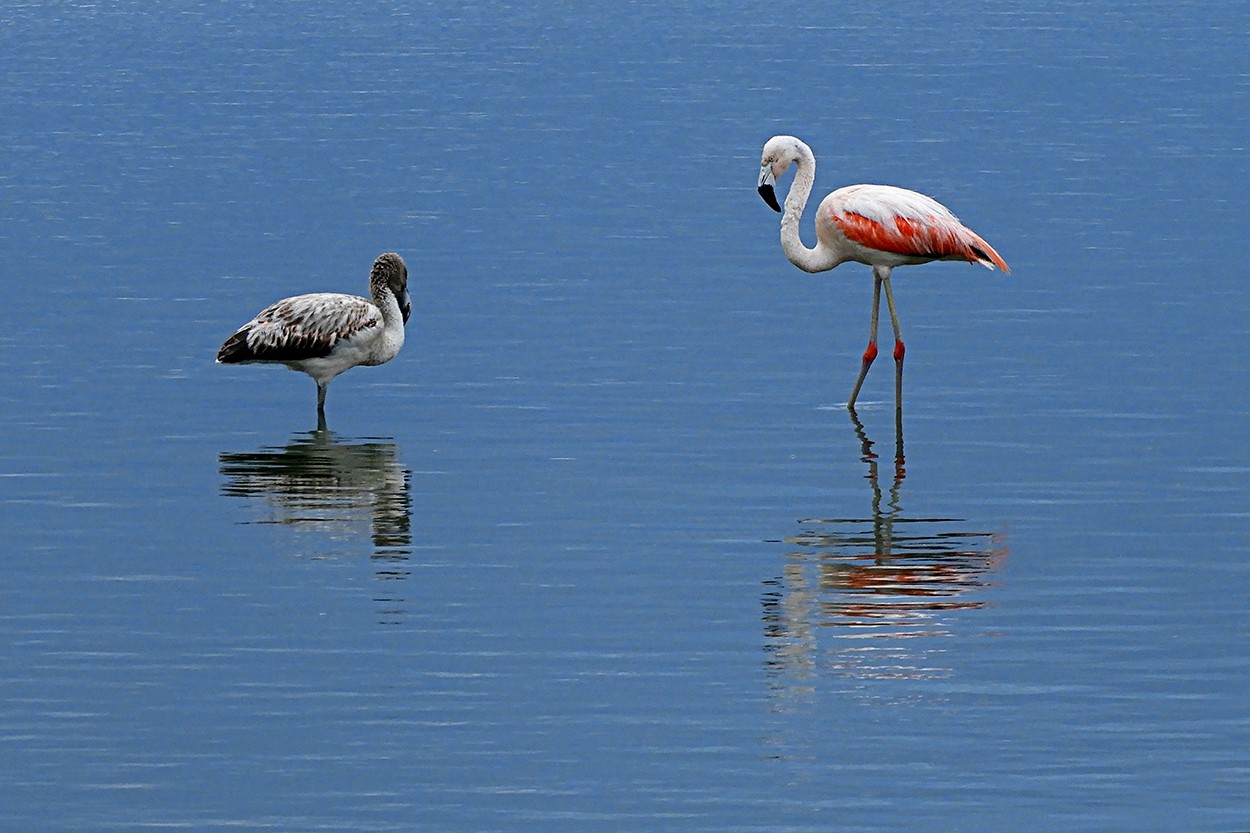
{"type": "Point", "coordinates": [984, 253]}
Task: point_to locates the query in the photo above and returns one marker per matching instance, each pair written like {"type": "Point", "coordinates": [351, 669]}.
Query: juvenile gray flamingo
{"type": "Point", "coordinates": [324, 333]}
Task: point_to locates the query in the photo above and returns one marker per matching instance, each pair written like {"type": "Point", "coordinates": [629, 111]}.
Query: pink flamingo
{"type": "Point", "coordinates": [879, 225]}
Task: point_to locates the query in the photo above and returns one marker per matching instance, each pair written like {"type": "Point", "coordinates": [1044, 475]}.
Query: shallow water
{"type": "Point", "coordinates": [602, 547]}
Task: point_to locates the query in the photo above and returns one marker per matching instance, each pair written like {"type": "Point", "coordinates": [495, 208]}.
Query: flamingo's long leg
{"type": "Point", "coordinates": [870, 353]}
{"type": "Point", "coordinates": [899, 349]}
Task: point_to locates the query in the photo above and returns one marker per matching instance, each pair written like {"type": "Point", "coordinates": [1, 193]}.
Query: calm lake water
{"type": "Point", "coordinates": [602, 549]}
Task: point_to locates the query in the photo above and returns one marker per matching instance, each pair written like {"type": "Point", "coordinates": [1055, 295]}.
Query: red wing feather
{"type": "Point", "coordinates": [902, 236]}
{"type": "Point", "coordinates": [911, 230]}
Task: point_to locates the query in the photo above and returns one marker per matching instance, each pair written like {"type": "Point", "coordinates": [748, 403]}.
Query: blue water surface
{"type": "Point", "coordinates": [602, 548]}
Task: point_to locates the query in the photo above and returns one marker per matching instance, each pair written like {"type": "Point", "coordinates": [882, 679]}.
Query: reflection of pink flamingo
{"type": "Point", "coordinates": [885, 575]}
{"type": "Point", "coordinates": [879, 225]}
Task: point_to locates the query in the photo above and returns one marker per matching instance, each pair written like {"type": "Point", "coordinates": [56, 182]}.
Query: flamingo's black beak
{"type": "Point", "coordinates": [405, 306]}
{"type": "Point", "coordinates": [767, 181]}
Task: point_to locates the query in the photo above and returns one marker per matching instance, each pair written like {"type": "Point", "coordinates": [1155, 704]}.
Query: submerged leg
{"type": "Point", "coordinates": [871, 352]}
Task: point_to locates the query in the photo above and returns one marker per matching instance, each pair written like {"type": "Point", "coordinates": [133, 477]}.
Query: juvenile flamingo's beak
{"type": "Point", "coordinates": [767, 181]}
{"type": "Point", "coordinates": [405, 306]}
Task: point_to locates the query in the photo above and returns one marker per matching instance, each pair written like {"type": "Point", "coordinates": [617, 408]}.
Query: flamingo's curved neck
{"type": "Point", "coordinates": [388, 303]}
{"type": "Point", "coordinates": [385, 299]}
{"type": "Point", "coordinates": [822, 257]}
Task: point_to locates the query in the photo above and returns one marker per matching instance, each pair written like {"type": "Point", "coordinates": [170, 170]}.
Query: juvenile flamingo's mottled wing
{"type": "Point", "coordinates": [302, 327]}
{"type": "Point", "coordinates": [904, 222]}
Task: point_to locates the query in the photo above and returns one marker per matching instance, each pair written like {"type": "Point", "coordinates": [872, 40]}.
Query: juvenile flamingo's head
{"type": "Point", "coordinates": [780, 152]}
{"type": "Point", "coordinates": [390, 270]}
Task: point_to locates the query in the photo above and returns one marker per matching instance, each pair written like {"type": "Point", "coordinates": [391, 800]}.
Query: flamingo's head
{"type": "Point", "coordinates": [780, 152]}
{"type": "Point", "coordinates": [389, 270]}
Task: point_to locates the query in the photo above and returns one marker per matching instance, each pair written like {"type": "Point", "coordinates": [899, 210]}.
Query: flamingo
{"type": "Point", "coordinates": [879, 225]}
{"type": "Point", "coordinates": [324, 333]}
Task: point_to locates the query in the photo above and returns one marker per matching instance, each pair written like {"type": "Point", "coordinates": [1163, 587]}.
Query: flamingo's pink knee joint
{"type": "Point", "coordinates": [899, 351]}
{"type": "Point", "coordinates": [871, 353]}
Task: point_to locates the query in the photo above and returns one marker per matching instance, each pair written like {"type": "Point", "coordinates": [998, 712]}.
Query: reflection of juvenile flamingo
{"type": "Point", "coordinates": [320, 484]}
{"type": "Point", "coordinates": [879, 225]}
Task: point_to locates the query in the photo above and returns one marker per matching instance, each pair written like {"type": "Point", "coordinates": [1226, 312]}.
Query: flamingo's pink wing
{"type": "Point", "coordinates": [904, 222]}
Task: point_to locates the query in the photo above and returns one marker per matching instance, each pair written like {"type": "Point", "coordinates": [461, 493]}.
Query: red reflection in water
{"type": "Point", "coordinates": [875, 584]}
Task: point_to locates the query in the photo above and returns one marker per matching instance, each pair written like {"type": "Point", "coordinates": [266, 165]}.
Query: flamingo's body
{"type": "Point", "coordinates": [324, 333]}
{"type": "Point", "coordinates": [878, 225]}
